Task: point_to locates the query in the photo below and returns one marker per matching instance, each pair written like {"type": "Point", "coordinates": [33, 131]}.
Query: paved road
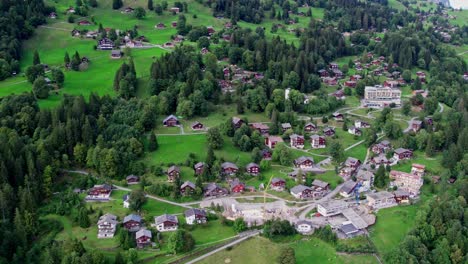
{"type": "Point", "coordinates": [241, 238]}
{"type": "Point", "coordinates": [441, 108]}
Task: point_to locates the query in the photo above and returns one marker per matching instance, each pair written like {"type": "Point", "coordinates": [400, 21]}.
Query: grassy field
{"type": "Point", "coordinates": [211, 232]}
{"type": "Point", "coordinates": [461, 17]}
{"type": "Point", "coordinates": [432, 164]}
{"type": "Point", "coordinates": [176, 149]}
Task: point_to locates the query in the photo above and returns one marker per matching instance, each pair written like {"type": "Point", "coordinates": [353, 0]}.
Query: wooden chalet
{"type": "Point", "coordinates": [84, 23]}
{"type": "Point", "coordinates": [330, 81]}
{"type": "Point", "coordinates": [304, 162]}
{"type": "Point", "coordinates": [99, 192]}
{"type": "Point", "coordinates": [278, 184]}
{"type": "Point", "coordinates": [229, 168]}
{"type": "Point", "coordinates": [338, 116]}
{"type": "Point", "coordinates": [160, 26]}
{"type": "Point", "coordinates": [348, 188]}
{"type": "Point", "coordinates": [338, 74]}
{"type": "Point", "coordinates": [52, 15]}
{"type": "Point", "coordinates": [402, 154]}
{"type": "Point", "coordinates": [105, 44]}
{"type": "Point", "coordinates": [214, 190]}
{"type": "Point", "coordinates": [361, 124]}
{"type": "Point", "coordinates": [317, 141]}
{"type": "Point", "coordinates": [187, 188]}
{"type": "Point", "coordinates": [402, 197]}
{"type": "Point", "coordinates": [166, 222]}
{"type": "Point", "coordinates": [379, 160]}
{"type": "Point", "coordinates": [198, 168]}
{"type": "Point", "coordinates": [310, 127]}
{"type": "Point", "coordinates": [333, 66]}
{"type": "Point", "coordinates": [132, 179]}
{"type": "Point", "coordinates": [116, 54]}
{"type": "Point", "coordinates": [171, 121]}
{"type": "Point", "coordinates": [323, 73]}
{"type": "Point", "coordinates": [197, 126]}
{"type": "Point", "coordinates": [354, 131]}
{"type": "Point", "coordinates": [355, 77]}
{"type": "Point", "coordinates": [174, 24]}
{"type": "Point", "coordinates": [391, 83]}
{"type": "Point", "coordinates": [340, 95]}
{"type": "Point", "coordinates": [195, 216]}
{"type": "Point", "coordinates": [297, 141]}
{"type": "Point", "coordinates": [175, 10]}
{"type": "Point", "coordinates": [381, 147]}
{"type": "Point", "coordinates": [328, 131]}
{"type": "Point", "coordinates": [266, 154]}
{"type": "Point", "coordinates": [143, 238]}
{"type": "Point", "coordinates": [285, 126]}
{"type": "Point", "coordinates": [132, 222]}
{"type": "Point", "coordinates": [271, 141]}
{"type": "Point", "coordinates": [237, 122]}
{"type": "Point", "coordinates": [350, 84]}
{"type": "Point", "coordinates": [173, 172]}
{"type": "Point", "coordinates": [262, 128]}
{"type": "Point", "coordinates": [252, 169]}
{"type": "Point", "coordinates": [128, 10]}
{"type": "Point", "coordinates": [237, 186]}
{"type": "Point", "coordinates": [211, 30]}
{"type": "Point", "coordinates": [416, 125]}
{"type": "Point", "coordinates": [301, 192]}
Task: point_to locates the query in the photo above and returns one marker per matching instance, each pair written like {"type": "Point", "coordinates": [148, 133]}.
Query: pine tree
{"type": "Point", "coordinates": [150, 5]}
{"type": "Point", "coordinates": [153, 142]}
{"type": "Point", "coordinates": [83, 219]}
{"type": "Point", "coordinates": [380, 177]}
{"type": "Point", "coordinates": [210, 157]}
{"type": "Point", "coordinates": [47, 178]}
{"type": "Point", "coordinates": [66, 59]}
{"type": "Point", "coordinates": [36, 58]}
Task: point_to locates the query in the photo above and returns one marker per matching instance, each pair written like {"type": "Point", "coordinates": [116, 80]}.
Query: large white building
{"type": "Point", "coordinates": [379, 96]}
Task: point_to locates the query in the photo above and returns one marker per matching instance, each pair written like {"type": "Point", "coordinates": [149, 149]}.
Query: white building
{"type": "Point", "coordinates": [166, 222]}
{"type": "Point", "coordinates": [304, 227]}
{"type": "Point", "coordinates": [332, 207]}
{"type": "Point", "coordinates": [379, 96]}
{"type": "Point", "coordinates": [195, 216]}
{"type": "Point", "coordinates": [107, 225]}
{"type": "Point", "coordinates": [381, 200]}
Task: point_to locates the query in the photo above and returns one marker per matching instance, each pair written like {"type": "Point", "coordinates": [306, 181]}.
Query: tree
{"type": "Point", "coordinates": [150, 5]}
{"type": "Point", "coordinates": [116, 4]}
{"type": "Point", "coordinates": [83, 219]}
{"type": "Point", "coordinates": [215, 140]}
{"type": "Point", "coordinates": [239, 225]}
{"type": "Point", "coordinates": [203, 42]}
{"type": "Point", "coordinates": [180, 241]}
{"type": "Point", "coordinates": [380, 178]}
{"type": "Point", "coordinates": [287, 255]}
{"type": "Point", "coordinates": [336, 151]}
{"type": "Point", "coordinates": [139, 12]}
{"type": "Point", "coordinates": [33, 72]}
{"type": "Point", "coordinates": [66, 59]}
{"type": "Point", "coordinates": [406, 109]}
{"type": "Point", "coordinates": [158, 9]}
{"type": "Point", "coordinates": [153, 142]}
{"type": "Point", "coordinates": [40, 88]}
{"type": "Point", "coordinates": [36, 58]}
{"type": "Point", "coordinates": [93, 3]}
{"type": "Point", "coordinates": [137, 199]}
{"type": "Point", "coordinates": [48, 179]}
{"type": "Point", "coordinates": [406, 75]}
{"type": "Point", "coordinates": [58, 76]}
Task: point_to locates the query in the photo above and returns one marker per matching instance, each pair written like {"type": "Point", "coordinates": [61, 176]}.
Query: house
{"type": "Point", "coordinates": [211, 30]}
{"type": "Point", "coordinates": [236, 186]}
{"type": "Point", "coordinates": [304, 227]}
{"type": "Point", "coordinates": [197, 126]}
{"type": "Point", "coordinates": [178, 39]}
{"type": "Point", "coordinates": [339, 95]}
{"type": "Point", "coordinates": [132, 179]}
{"type": "Point", "coordinates": [304, 162]}
{"type": "Point", "coordinates": [381, 159]}
{"type": "Point", "coordinates": [380, 97]}
{"type": "Point", "coordinates": [169, 45]}
{"type": "Point", "coordinates": [213, 190]}
{"type": "Point", "coordinates": [428, 121]}
{"type": "Point", "coordinates": [226, 37]}
{"type": "Point", "coordinates": [348, 188]}
{"type": "Point", "coordinates": [366, 180]}
{"type": "Point", "coordinates": [171, 121]}
{"type": "Point", "coordinates": [128, 10]}
{"type": "Point", "coordinates": [160, 26]}
{"type": "Point", "coordinates": [285, 126]}
{"type": "Point", "coordinates": [228, 25]}
{"type": "Point", "coordinates": [99, 192]}
{"type": "Point", "coordinates": [380, 200]}
{"type": "Point", "coordinates": [126, 201]}
{"type": "Point", "coordinates": [301, 192]}
{"type": "Point", "coordinates": [187, 188]}
{"type": "Point", "coordinates": [317, 141]}
{"type": "Point", "coordinates": [229, 168]}
{"type": "Point", "coordinates": [361, 124]}
{"type": "Point", "coordinates": [330, 81]}
{"type": "Point", "coordinates": [333, 65]}
{"type": "Point", "coordinates": [252, 169]}
{"type": "Point", "coordinates": [416, 125]}
{"type": "Point", "coordinates": [75, 33]}
{"type": "Point", "coordinates": [332, 207]}
{"type": "Point", "coordinates": [70, 10]}
{"type": "Point", "coordinates": [204, 51]}
{"type": "Point", "coordinates": [237, 122]}
{"type": "Point", "coordinates": [84, 23]}
{"type": "Point", "coordinates": [349, 229]}
{"type": "Point", "coordinates": [174, 24]}
{"type": "Point", "coordinates": [406, 181]}
{"type": "Point", "coordinates": [91, 34]}
{"type": "Point", "coordinates": [195, 216]}
{"type": "Point", "coordinates": [198, 168]}
{"type": "Point", "coordinates": [355, 77]}
{"type": "Point", "coordinates": [391, 83]}
{"type": "Point", "coordinates": [418, 169]}
{"type": "Point", "coordinates": [166, 222]}
{"type": "Point", "coordinates": [381, 147]}
{"type": "Point", "coordinates": [350, 84]}
{"type": "Point", "coordinates": [422, 76]}
{"type": "Point", "coordinates": [352, 163]}
{"type": "Point", "coordinates": [105, 44]}
{"type": "Point", "coordinates": [173, 172]}
{"type": "Point", "coordinates": [132, 222]}
{"type": "Point", "coordinates": [53, 15]}
{"type": "Point", "coordinates": [310, 127]}
{"type": "Point", "coordinates": [143, 238]}
{"type": "Point", "coordinates": [319, 188]}
{"type": "Point", "coordinates": [297, 141]}
{"type": "Point", "coordinates": [262, 128]}
{"type": "Point", "coordinates": [328, 131]}
{"type": "Point", "coordinates": [107, 224]}
{"type": "Point", "coordinates": [402, 154]}
{"type": "Point", "coordinates": [175, 10]}
{"type": "Point", "coordinates": [354, 131]}
{"type": "Point", "coordinates": [402, 196]}
{"type": "Point", "coordinates": [323, 73]}
{"type": "Point", "coordinates": [116, 54]}
{"type": "Point", "coordinates": [337, 73]}
{"type": "Point", "coordinates": [271, 141]}
{"type": "Point", "coordinates": [277, 184]}
{"type": "Point", "coordinates": [266, 154]}
{"type": "Point", "coordinates": [436, 179]}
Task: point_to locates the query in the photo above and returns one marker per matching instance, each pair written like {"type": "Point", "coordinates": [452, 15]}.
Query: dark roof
{"type": "Point", "coordinates": [236, 120]}
{"type": "Point", "coordinates": [320, 183]}
{"type": "Point", "coordinates": [299, 188]}
{"type": "Point", "coordinates": [401, 150]}
{"type": "Point", "coordinates": [104, 186]}
{"type": "Point", "coordinates": [132, 217]}
{"type": "Point", "coordinates": [125, 197]}
{"type": "Point", "coordinates": [143, 232]}
{"type": "Point", "coordinates": [196, 123]}
{"type": "Point", "coordinates": [211, 186]}
{"type": "Point", "coordinates": [129, 177]}
{"type": "Point", "coordinates": [275, 180]}
{"type": "Point", "coordinates": [348, 187]}
{"type": "Point", "coordinates": [328, 129]}
{"type": "Point", "coordinates": [166, 217]}
{"type": "Point", "coordinates": [199, 165]}
{"type": "Point", "coordinates": [189, 184]}
{"type": "Point", "coordinates": [348, 229]}
{"type": "Point", "coordinates": [310, 124]}
{"type": "Point", "coordinates": [195, 211]}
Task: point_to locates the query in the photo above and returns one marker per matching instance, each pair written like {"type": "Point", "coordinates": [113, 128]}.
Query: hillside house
{"type": "Point", "coordinates": [416, 125]}
{"type": "Point", "coordinates": [99, 192]}
{"type": "Point", "coordinates": [128, 10]}
{"type": "Point", "coordinates": [402, 154]}
{"type": "Point", "coordinates": [406, 181]}
{"type": "Point", "coordinates": [126, 201]}
{"type": "Point", "coordinates": [366, 180]}
{"type": "Point", "coordinates": [339, 95]}
{"type": "Point", "coordinates": [143, 238]}
{"type": "Point", "coordinates": [418, 169]}
{"type": "Point", "coordinates": [381, 159]}
{"type": "Point", "coordinates": [304, 227]}
{"type": "Point", "coordinates": [350, 84]}
{"type": "Point", "coordinates": [75, 33]}
{"type": "Point", "coordinates": [160, 26]}
{"type": "Point", "coordinates": [105, 44]}
{"type": "Point", "coordinates": [84, 23]}
{"type": "Point", "coordinates": [285, 126]}
{"type": "Point", "coordinates": [52, 15]}
{"type": "Point", "coordinates": [178, 39]}
{"type": "Point", "coordinates": [332, 207]}
{"type": "Point", "coordinates": [277, 184]}
{"type": "Point", "coordinates": [197, 126]}
{"type": "Point", "coordinates": [337, 73]}
{"type": "Point", "coordinates": [173, 172]}
{"type": "Point", "coordinates": [354, 131]}
{"type": "Point", "coordinates": [214, 190]}
{"type": "Point", "coordinates": [333, 66]}
{"type": "Point", "coordinates": [92, 34]}
{"type": "Point", "coordinates": [317, 141]}
{"type": "Point", "coordinates": [229, 168]}
{"type": "Point", "coordinates": [319, 188]}
{"type": "Point", "coordinates": [361, 124]}
{"type": "Point", "coordinates": [107, 225]}
{"type": "Point", "coordinates": [175, 10]}
{"type": "Point", "coordinates": [330, 81]}
{"type": "Point", "coordinates": [422, 76]}
{"type": "Point", "coordinates": [237, 122]}
{"type": "Point", "coordinates": [391, 83]}
{"type": "Point", "coordinates": [350, 166]}
{"type": "Point", "coordinates": [271, 141]}
{"type": "Point", "coordinates": [236, 186]}
{"type": "Point", "coordinates": [402, 196]}
{"type": "Point", "coordinates": [261, 128]}
{"type": "Point", "coordinates": [132, 179]}
{"type": "Point", "coordinates": [70, 10]}
{"type": "Point", "coordinates": [171, 121]}
{"type": "Point", "coordinates": [355, 77]}
{"type": "Point", "coordinates": [211, 30]}
{"type": "Point", "coordinates": [174, 24]}
{"type": "Point", "coordinates": [310, 128]}
{"type": "Point", "coordinates": [116, 54]}
{"type": "Point", "coordinates": [328, 131]}
{"type": "Point", "coordinates": [381, 147]}
{"type": "Point", "coordinates": [381, 200]}
{"type": "Point", "coordinates": [166, 222]}
{"type": "Point", "coordinates": [198, 168]}
{"type": "Point", "coordinates": [195, 216]}
{"type": "Point", "coordinates": [323, 73]}
{"type": "Point", "coordinates": [204, 51]}
{"type": "Point", "coordinates": [301, 192]}
{"type": "Point", "coordinates": [297, 141]}
{"type": "Point", "coordinates": [304, 162]}
{"type": "Point", "coordinates": [187, 188]}
{"type": "Point", "coordinates": [266, 154]}
{"type": "Point", "coordinates": [348, 188]}
{"type": "Point", "coordinates": [132, 222]}
{"type": "Point", "coordinates": [252, 169]}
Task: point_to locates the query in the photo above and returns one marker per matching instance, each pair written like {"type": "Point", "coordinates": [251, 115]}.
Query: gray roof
{"type": "Point", "coordinates": [364, 175]}
{"type": "Point", "coordinates": [165, 217]}
{"type": "Point", "coordinates": [348, 229]}
{"type": "Point", "coordinates": [228, 165]}
{"type": "Point", "coordinates": [195, 211]}
{"type": "Point", "coordinates": [116, 52]}
{"type": "Point", "coordinates": [401, 193]}
{"type": "Point", "coordinates": [348, 187]}
{"type": "Point", "coordinates": [401, 150]}
{"type": "Point", "coordinates": [303, 222]}
{"type": "Point", "coordinates": [132, 217]}
{"type": "Point", "coordinates": [173, 168]}
{"type": "Point", "coordinates": [295, 136]}
{"type": "Point", "coordinates": [236, 182]}
{"type": "Point", "coordinates": [251, 165]}
{"type": "Point", "coordinates": [199, 165]}
{"type": "Point", "coordinates": [315, 136]}
{"type": "Point", "coordinates": [417, 122]}
{"type": "Point", "coordinates": [143, 232]}
{"type": "Point", "coordinates": [275, 180]}
{"type": "Point", "coordinates": [189, 184]}
{"type": "Point", "coordinates": [320, 183]}
{"type": "Point", "coordinates": [286, 125]}
{"type": "Point", "coordinates": [104, 186]}
{"type": "Point", "coordinates": [299, 188]}
{"type": "Point", "coordinates": [310, 124]}
{"type": "Point", "coordinates": [303, 159]}
{"type": "Point", "coordinates": [380, 195]}
{"type": "Point", "coordinates": [109, 218]}
{"type": "Point", "coordinates": [131, 177]}
{"type": "Point", "coordinates": [385, 142]}
{"type": "Point", "coordinates": [170, 117]}
{"type": "Point", "coordinates": [328, 128]}
{"type": "Point", "coordinates": [236, 120]}
{"type": "Point", "coordinates": [351, 161]}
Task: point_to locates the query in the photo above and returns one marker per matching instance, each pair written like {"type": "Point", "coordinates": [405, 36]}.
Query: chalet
{"type": "Point", "coordinates": [132, 222]}
{"type": "Point", "coordinates": [354, 131]}
{"type": "Point", "coordinates": [297, 141]}
{"type": "Point", "coordinates": [178, 39]}
{"type": "Point", "coordinates": [378, 71]}
{"type": "Point", "coordinates": [171, 121]}
{"type": "Point", "coordinates": [197, 126]}
{"type": "Point", "coordinates": [310, 127]}
{"type": "Point", "coordinates": [133, 44]}
{"type": "Point", "coordinates": [285, 126]}
{"type": "Point", "coordinates": [332, 207]}
{"type": "Point", "coordinates": [84, 23]}
{"type": "Point", "coordinates": [406, 181]}
{"type": "Point", "coordinates": [416, 125]}
{"type": "Point", "coordinates": [330, 81]}
{"type": "Point", "coordinates": [375, 62]}
{"type": "Point", "coordinates": [195, 216]}
{"type": "Point", "coordinates": [132, 179]}
{"type": "Point", "coordinates": [53, 15]}
{"type": "Point", "coordinates": [355, 77]}
{"type": "Point", "coordinates": [337, 73]}
{"type": "Point", "coordinates": [175, 10]}
{"type": "Point", "coordinates": [339, 94]}
{"type": "Point", "coordinates": [99, 192]}
{"type": "Point", "coordinates": [173, 172]}
{"type": "Point", "coordinates": [229, 168]}
{"type": "Point", "coordinates": [213, 190]}
{"type": "Point", "coordinates": [304, 162]}
{"type": "Point", "coordinates": [378, 39]}
{"type": "Point", "coordinates": [116, 54]}
{"type": "Point", "coordinates": [204, 51]}
{"type": "Point", "coordinates": [323, 73]}
{"type": "Point", "coordinates": [174, 24]}
{"type": "Point", "coordinates": [107, 224]}
{"type": "Point", "coordinates": [105, 44]}
{"type": "Point", "coordinates": [271, 141]}
{"type": "Point", "coordinates": [381, 159]}
{"type": "Point", "coordinates": [75, 33]}
{"type": "Point", "coordinates": [381, 147]}
{"type": "Point", "coordinates": [352, 162]}
{"type": "Point", "coordinates": [266, 154]}
{"type": "Point", "coordinates": [166, 222]}
{"type": "Point", "coordinates": [319, 188]}
{"type": "Point", "coordinates": [143, 238]}
{"type": "Point", "coordinates": [237, 186]}
{"type": "Point", "coordinates": [328, 131]}
{"type": "Point", "coordinates": [277, 184]}
{"type": "Point", "coordinates": [226, 37]}
{"type": "Point", "coordinates": [391, 83]}
{"type": "Point", "coordinates": [198, 168]}
{"type": "Point", "coordinates": [429, 121]}
{"type": "Point", "coordinates": [126, 201]}
{"type": "Point", "coordinates": [338, 116]}
{"type": "Point", "coordinates": [187, 188]}
{"type": "Point", "coordinates": [380, 200]}
{"type": "Point", "coordinates": [422, 76]}
{"type": "Point", "coordinates": [262, 128]}
{"type": "Point", "coordinates": [160, 26]}
{"type": "Point", "coordinates": [366, 180]}
{"type": "Point", "coordinates": [237, 122]}
{"type": "Point", "coordinates": [317, 141]}
{"type": "Point", "coordinates": [70, 10]}
{"type": "Point", "coordinates": [91, 34]}
{"type": "Point", "coordinates": [297, 174]}
{"type": "Point", "coordinates": [418, 169]}
{"type": "Point", "coordinates": [402, 154]}
{"type": "Point", "coordinates": [226, 72]}
{"type": "Point", "coordinates": [301, 192]}
{"type": "Point", "coordinates": [333, 66]}
{"type": "Point", "coordinates": [361, 124]}
{"type": "Point", "coordinates": [350, 166]}
{"type": "Point", "coordinates": [252, 169]}
{"type": "Point", "coordinates": [402, 197]}
{"type": "Point", "coordinates": [211, 30]}
{"type": "Point", "coordinates": [304, 227]}
{"type": "Point", "coordinates": [350, 84]}
{"type": "Point", "coordinates": [228, 25]}
{"type": "Point", "coordinates": [348, 188]}
{"type": "Point", "coordinates": [128, 10]}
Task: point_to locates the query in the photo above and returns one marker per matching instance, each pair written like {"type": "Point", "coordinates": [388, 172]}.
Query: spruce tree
{"type": "Point", "coordinates": [83, 219]}
{"type": "Point", "coordinates": [66, 59]}
{"type": "Point", "coordinates": [153, 142]}
{"type": "Point", "coordinates": [150, 5]}
{"type": "Point", "coordinates": [36, 58]}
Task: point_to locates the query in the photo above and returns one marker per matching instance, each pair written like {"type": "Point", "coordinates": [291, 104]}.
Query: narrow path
{"type": "Point", "coordinates": [354, 145]}
{"type": "Point", "coordinates": [56, 28]}
{"type": "Point", "coordinates": [186, 134]}
{"type": "Point", "coordinates": [182, 132]}
{"type": "Point", "coordinates": [441, 108]}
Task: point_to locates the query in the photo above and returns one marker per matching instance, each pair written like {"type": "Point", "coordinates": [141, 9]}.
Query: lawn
{"type": "Point", "coordinates": [359, 152]}
{"type": "Point", "coordinates": [432, 164]}
{"type": "Point", "coordinates": [461, 17]}
{"type": "Point", "coordinates": [212, 231]}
